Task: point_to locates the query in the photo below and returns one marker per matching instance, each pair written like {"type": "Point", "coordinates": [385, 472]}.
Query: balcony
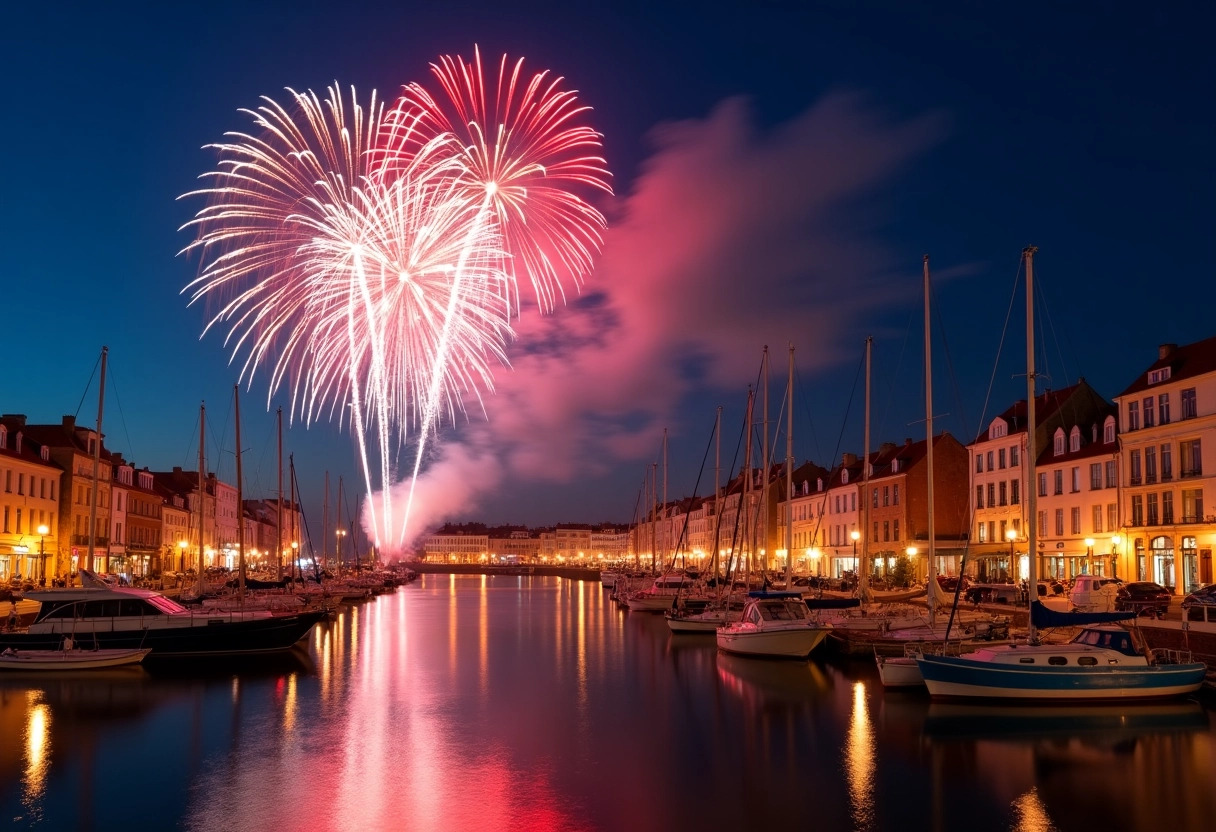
{"type": "Point", "coordinates": [83, 540]}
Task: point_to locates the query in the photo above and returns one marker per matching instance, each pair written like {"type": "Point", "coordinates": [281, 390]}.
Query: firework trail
{"type": "Point", "coordinates": [525, 156]}
{"type": "Point", "coordinates": [369, 261]}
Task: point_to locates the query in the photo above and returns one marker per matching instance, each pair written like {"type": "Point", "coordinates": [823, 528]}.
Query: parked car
{"type": "Point", "coordinates": [1144, 598]}
{"type": "Point", "coordinates": [1205, 596]}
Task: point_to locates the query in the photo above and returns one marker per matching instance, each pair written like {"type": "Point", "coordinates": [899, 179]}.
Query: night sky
{"type": "Point", "coordinates": [779, 169]}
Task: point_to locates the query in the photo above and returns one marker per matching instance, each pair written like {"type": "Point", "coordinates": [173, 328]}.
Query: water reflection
{"type": "Point", "coordinates": [859, 760]}
{"type": "Point", "coordinates": [525, 702]}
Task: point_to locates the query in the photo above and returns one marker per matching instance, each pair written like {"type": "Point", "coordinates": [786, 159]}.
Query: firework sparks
{"type": "Point", "coordinates": [369, 261]}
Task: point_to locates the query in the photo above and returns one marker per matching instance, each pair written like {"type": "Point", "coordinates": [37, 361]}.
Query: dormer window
{"type": "Point", "coordinates": [18, 443]}
{"type": "Point", "coordinates": [819, 484]}
{"type": "Point", "coordinates": [46, 453]}
{"type": "Point", "coordinates": [998, 429]}
{"type": "Point", "coordinates": [844, 475]}
{"type": "Point", "coordinates": [1058, 444]}
{"type": "Point", "coordinates": [1158, 376]}
{"type": "Point", "coordinates": [1108, 430]}
{"type": "Point", "coordinates": [1074, 440]}
{"type": "Point", "coordinates": [3, 437]}
{"type": "Point", "coordinates": [895, 466]}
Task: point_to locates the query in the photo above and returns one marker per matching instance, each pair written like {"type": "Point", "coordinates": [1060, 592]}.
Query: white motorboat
{"type": "Point", "coordinates": [661, 595]}
{"type": "Point", "coordinates": [69, 659]}
{"type": "Point", "coordinates": [774, 624]}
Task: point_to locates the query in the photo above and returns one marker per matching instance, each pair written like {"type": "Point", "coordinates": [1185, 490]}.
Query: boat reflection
{"type": "Point", "coordinates": [767, 683]}
{"type": "Point", "coordinates": [1110, 726]}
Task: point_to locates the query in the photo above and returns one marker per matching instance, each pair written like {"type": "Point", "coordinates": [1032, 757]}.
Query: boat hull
{"type": "Point", "coordinates": [899, 672]}
{"type": "Point", "coordinates": [949, 676]}
{"type": "Point", "coordinates": [791, 643]}
{"type": "Point", "coordinates": [222, 637]}
{"type": "Point", "coordinates": [69, 660]}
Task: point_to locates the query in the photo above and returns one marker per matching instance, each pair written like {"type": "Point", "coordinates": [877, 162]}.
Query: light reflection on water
{"type": "Point", "coordinates": [522, 703]}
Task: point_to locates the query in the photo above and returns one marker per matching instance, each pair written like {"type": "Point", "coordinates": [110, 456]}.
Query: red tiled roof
{"type": "Point", "coordinates": [1189, 361]}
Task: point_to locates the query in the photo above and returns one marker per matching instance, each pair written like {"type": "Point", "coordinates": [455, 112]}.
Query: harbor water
{"type": "Point", "coordinates": [470, 702]}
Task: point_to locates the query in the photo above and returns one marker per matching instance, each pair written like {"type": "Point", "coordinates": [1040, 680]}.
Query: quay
{"type": "Point", "coordinates": [574, 573]}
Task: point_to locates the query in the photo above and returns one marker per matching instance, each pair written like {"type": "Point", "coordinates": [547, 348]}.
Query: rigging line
{"type": "Point", "coordinates": [92, 375]}
{"type": "Point", "coordinates": [688, 502]}
{"type": "Point", "coordinates": [1004, 331]}
{"type": "Point", "coordinates": [888, 407]}
{"type": "Point", "coordinates": [191, 456]}
{"type": "Point", "coordinates": [122, 416]}
{"type": "Point", "coordinates": [959, 406]}
{"type": "Point", "coordinates": [836, 454]}
{"type": "Point", "coordinates": [739, 512]}
{"type": "Point", "coordinates": [814, 443]}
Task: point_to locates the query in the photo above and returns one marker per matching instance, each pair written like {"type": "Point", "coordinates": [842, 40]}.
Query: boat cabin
{"type": "Point", "coordinates": [95, 603]}
{"type": "Point", "coordinates": [1111, 638]}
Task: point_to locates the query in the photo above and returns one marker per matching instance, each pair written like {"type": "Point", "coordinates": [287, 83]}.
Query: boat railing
{"type": "Point", "coordinates": [1164, 655]}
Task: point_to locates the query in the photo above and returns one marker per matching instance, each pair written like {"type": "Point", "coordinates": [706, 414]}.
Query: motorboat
{"type": "Point", "coordinates": [774, 624]}
{"type": "Point", "coordinates": [132, 618]}
{"type": "Point", "coordinates": [662, 594]}
{"type": "Point", "coordinates": [706, 620]}
{"type": "Point", "coordinates": [1101, 662]}
{"type": "Point", "coordinates": [69, 659]}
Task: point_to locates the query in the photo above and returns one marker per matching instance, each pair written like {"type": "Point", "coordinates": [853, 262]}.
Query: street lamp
{"type": "Point", "coordinates": [911, 553]}
{"type": "Point", "coordinates": [1089, 555]}
{"type": "Point", "coordinates": [181, 559]}
{"type": "Point", "coordinates": [42, 533]}
{"type": "Point", "coordinates": [1012, 535]}
{"type": "Point", "coordinates": [815, 559]}
{"type": "Point", "coordinates": [340, 533]}
{"type": "Point", "coordinates": [855, 535]}
{"type": "Point", "coordinates": [1115, 541]}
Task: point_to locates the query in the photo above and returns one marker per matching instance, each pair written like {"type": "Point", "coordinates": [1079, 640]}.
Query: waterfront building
{"type": "Point", "coordinates": [513, 544]}
{"type": "Point", "coordinates": [175, 527]}
{"type": "Point", "coordinates": [227, 518]}
{"type": "Point", "coordinates": [29, 501]}
{"type": "Point", "coordinates": [610, 542]}
{"type": "Point", "coordinates": [997, 477]}
{"type": "Point", "coordinates": [807, 510]}
{"type": "Point", "coordinates": [1168, 440]}
{"type": "Point", "coordinates": [200, 505]}
{"type": "Point", "coordinates": [143, 534]}
{"type": "Point", "coordinates": [844, 516]}
{"type": "Point", "coordinates": [120, 481]}
{"type": "Point", "coordinates": [465, 543]}
{"type": "Point", "coordinates": [81, 497]}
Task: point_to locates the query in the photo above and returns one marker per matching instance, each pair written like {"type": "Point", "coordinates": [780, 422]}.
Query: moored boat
{"type": "Point", "coordinates": [131, 618]}
{"type": "Point", "coordinates": [774, 624]}
{"type": "Point", "coordinates": [69, 659]}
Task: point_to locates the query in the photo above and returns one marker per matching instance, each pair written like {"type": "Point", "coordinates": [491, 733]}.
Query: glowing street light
{"type": "Point", "coordinates": [1089, 555]}
{"type": "Point", "coordinates": [1115, 542]}
{"type": "Point", "coordinates": [181, 557]}
{"type": "Point", "coordinates": [42, 533]}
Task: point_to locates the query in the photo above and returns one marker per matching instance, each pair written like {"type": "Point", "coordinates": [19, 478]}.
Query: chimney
{"type": "Point", "coordinates": [848, 459]}
{"type": "Point", "coordinates": [1165, 351]}
{"type": "Point", "coordinates": [17, 418]}
{"type": "Point", "coordinates": [69, 424]}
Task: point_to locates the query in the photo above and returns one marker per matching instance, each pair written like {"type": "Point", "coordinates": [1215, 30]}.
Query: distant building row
{"type": "Point", "coordinates": [564, 543]}
{"type": "Point", "coordinates": [141, 523]}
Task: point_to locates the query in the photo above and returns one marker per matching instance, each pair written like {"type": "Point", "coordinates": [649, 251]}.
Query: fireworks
{"type": "Point", "coordinates": [369, 261]}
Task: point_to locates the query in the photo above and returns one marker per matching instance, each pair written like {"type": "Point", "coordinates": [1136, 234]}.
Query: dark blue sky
{"type": "Point", "coordinates": [1085, 129]}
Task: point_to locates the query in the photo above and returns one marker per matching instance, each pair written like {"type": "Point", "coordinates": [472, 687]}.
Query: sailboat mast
{"type": "Point", "coordinates": [748, 540]}
{"type": "Point", "coordinates": [202, 489]}
{"type": "Point", "coordinates": [717, 487]}
{"type": "Point", "coordinates": [1032, 535]}
{"type": "Point", "coordinates": [278, 526]}
{"type": "Point", "coordinates": [932, 571]}
{"type": "Point", "coordinates": [101, 401]}
{"type": "Point", "coordinates": [240, 497]}
{"type": "Point", "coordinates": [338, 525]}
{"type": "Point", "coordinates": [666, 526]}
{"type": "Point", "coordinates": [325, 523]}
{"type": "Point", "coordinates": [764, 469]}
{"type": "Point", "coordinates": [789, 471]}
{"type": "Point", "coordinates": [863, 568]}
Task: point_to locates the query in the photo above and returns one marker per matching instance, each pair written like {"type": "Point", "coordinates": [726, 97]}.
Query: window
{"type": "Point", "coordinates": [1137, 510]}
{"type": "Point", "coordinates": [1158, 376]}
{"type": "Point", "coordinates": [895, 494]}
{"type": "Point", "coordinates": [1059, 522]}
{"type": "Point", "coordinates": [1108, 431]}
{"type": "Point", "coordinates": [989, 460]}
{"type": "Point", "coordinates": [1135, 472]}
{"type": "Point", "coordinates": [1192, 505]}
{"type": "Point", "coordinates": [1013, 456]}
{"type": "Point", "coordinates": [1167, 507]}
{"type": "Point", "coordinates": [991, 493]}
{"type": "Point", "coordinates": [1014, 496]}
{"type": "Point", "coordinates": [1058, 477]}
{"type": "Point", "coordinates": [1002, 497]}
{"type": "Point", "coordinates": [895, 528]}
{"type": "Point", "coordinates": [1189, 410]}
{"type": "Point", "coordinates": [1074, 440]}
{"type": "Point", "coordinates": [1133, 415]}
{"type": "Point", "coordinates": [1095, 476]}
{"type": "Point", "coordinates": [1150, 464]}
{"type": "Point", "coordinates": [979, 496]}
{"type": "Point", "coordinates": [1000, 458]}
{"type": "Point", "coordinates": [1112, 516]}
{"type": "Point", "coordinates": [1163, 409]}
{"type": "Point", "coordinates": [886, 530]}
{"type": "Point", "coordinates": [875, 531]}
{"type": "Point", "coordinates": [1152, 508]}
{"type": "Point", "coordinates": [1097, 527]}
{"type": "Point", "coordinates": [1191, 458]}
{"type": "Point", "coordinates": [886, 495]}
{"type": "Point", "coordinates": [1042, 523]}
{"type": "Point", "coordinates": [1167, 464]}
{"type": "Point", "coordinates": [1076, 479]}
{"type": "Point", "coordinates": [1148, 412]}
{"type": "Point", "coordinates": [1042, 484]}
{"type": "Point", "coordinates": [979, 463]}
{"type": "Point", "coordinates": [1112, 474]}
{"type": "Point", "coordinates": [981, 531]}
{"type": "Point", "coordinates": [874, 499]}
{"type": "Point", "coordinates": [1058, 444]}
{"type": "Point", "coordinates": [1075, 517]}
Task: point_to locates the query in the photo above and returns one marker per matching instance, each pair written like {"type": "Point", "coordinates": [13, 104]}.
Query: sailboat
{"type": "Point", "coordinates": [1102, 662]}
{"type": "Point", "coordinates": [776, 624]}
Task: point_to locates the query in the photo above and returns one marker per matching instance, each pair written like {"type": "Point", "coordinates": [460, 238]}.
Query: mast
{"type": "Point", "coordinates": [666, 526]}
{"type": "Point", "coordinates": [240, 498]}
{"type": "Point", "coordinates": [1032, 535]}
{"type": "Point", "coordinates": [291, 484]}
{"type": "Point", "coordinates": [202, 489]}
{"type": "Point", "coordinates": [101, 401]}
{"type": "Point", "coordinates": [278, 526]}
{"type": "Point", "coordinates": [863, 568]}
{"type": "Point", "coordinates": [932, 572]}
{"type": "Point", "coordinates": [789, 472]}
{"type": "Point", "coordinates": [325, 523]}
{"type": "Point", "coordinates": [717, 490]}
{"type": "Point", "coordinates": [764, 470]}
{"type": "Point", "coordinates": [746, 505]}
{"type": "Point", "coordinates": [338, 525]}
